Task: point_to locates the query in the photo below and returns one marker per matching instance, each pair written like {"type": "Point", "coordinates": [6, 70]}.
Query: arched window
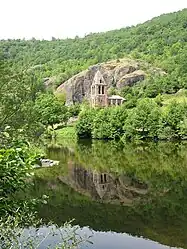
{"type": "Point", "coordinates": [105, 177]}
{"type": "Point", "coordinates": [99, 89]}
{"type": "Point", "coordinates": [100, 81]}
{"type": "Point", "coordinates": [103, 90]}
{"type": "Point", "coordinates": [101, 178]}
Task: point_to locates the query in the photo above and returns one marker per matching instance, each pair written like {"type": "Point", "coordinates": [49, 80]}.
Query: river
{"type": "Point", "coordinates": [125, 196]}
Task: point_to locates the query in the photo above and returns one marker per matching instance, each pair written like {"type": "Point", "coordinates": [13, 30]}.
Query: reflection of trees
{"type": "Point", "coordinates": [125, 171]}
{"type": "Point", "coordinates": [159, 164]}
{"type": "Point", "coordinates": [162, 166]}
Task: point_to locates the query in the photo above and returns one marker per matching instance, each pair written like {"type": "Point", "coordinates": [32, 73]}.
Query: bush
{"type": "Point", "coordinates": [85, 122]}
{"type": "Point", "coordinates": [149, 119]}
{"type": "Point", "coordinates": [173, 123]}
{"type": "Point", "coordinates": [50, 110]}
{"type": "Point", "coordinates": [143, 120]}
{"type": "Point", "coordinates": [108, 123]}
{"type": "Point", "coordinates": [16, 165]}
{"type": "Point", "coordinates": [74, 110]}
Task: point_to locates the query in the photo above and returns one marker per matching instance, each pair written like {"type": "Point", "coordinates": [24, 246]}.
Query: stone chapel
{"type": "Point", "coordinates": [99, 95]}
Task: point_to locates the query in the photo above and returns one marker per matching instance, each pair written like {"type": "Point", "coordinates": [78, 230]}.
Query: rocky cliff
{"type": "Point", "coordinates": [118, 74]}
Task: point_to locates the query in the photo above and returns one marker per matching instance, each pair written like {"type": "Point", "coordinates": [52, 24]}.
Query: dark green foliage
{"type": "Point", "coordinates": [102, 124]}
{"type": "Point", "coordinates": [143, 120]}
{"type": "Point", "coordinates": [18, 125]}
{"type": "Point", "coordinates": [74, 110]}
{"type": "Point", "coordinates": [108, 123]}
{"type": "Point", "coordinates": [16, 165]}
{"type": "Point", "coordinates": [17, 162]}
{"type": "Point", "coordinates": [149, 119]}
{"type": "Point", "coordinates": [18, 92]}
{"type": "Point", "coordinates": [173, 121]}
{"type": "Point", "coordinates": [85, 122]}
{"type": "Point", "coordinates": [50, 110]}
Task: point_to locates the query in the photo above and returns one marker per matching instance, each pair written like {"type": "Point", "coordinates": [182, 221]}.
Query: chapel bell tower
{"type": "Point", "coordinates": [99, 91]}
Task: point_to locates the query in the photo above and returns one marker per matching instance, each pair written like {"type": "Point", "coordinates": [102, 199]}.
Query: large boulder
{"type": "Point", "coordinates": [131, 78]}
{"type": "Point", "coordinates": [119, 73]}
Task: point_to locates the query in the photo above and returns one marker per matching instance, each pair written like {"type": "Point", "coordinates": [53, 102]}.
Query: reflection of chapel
{"type": "Point", "coordinates": [101, 182]}
{"type": "Point", "coordinates": [99, 95]}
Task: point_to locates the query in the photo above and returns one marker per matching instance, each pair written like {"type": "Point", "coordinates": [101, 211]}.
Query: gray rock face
{"type": "Point", "coordinates": [131, 78]}
{"type": "Point", "coordinates": [119, 73]}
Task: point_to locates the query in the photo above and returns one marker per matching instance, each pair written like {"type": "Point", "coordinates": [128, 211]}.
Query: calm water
{"type": "Point", "coordinates": [130, 196]}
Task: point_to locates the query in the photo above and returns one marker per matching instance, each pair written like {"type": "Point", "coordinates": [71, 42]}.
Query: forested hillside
{"type": "Point", "coordinates": [161, 41]}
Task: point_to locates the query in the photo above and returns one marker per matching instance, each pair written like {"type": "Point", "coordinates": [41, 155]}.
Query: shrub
{"type": "Point", "coordinates": [173, 123]}
{"type": "Point", "coordinates": [108, 123]}
{"type": "Point", "coordinates": [143, 120]}
{"type": "Point", "coordinates": [16, 165]}
{"type": "Point", "coordinates": [84, 124]}
{"type": "Point", "coordinates": [74, 110]}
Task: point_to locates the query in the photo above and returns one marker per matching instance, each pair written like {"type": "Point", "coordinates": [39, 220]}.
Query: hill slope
{"type": "Point", "coordinates": [161, 41]}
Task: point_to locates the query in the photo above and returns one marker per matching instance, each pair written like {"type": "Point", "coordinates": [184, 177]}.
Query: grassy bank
{"type": "Point", "coordinates": [67, 132]}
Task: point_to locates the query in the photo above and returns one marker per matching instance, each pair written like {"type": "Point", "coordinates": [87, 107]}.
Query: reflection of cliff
{"type": "Point", "coordinates": [104, 186]}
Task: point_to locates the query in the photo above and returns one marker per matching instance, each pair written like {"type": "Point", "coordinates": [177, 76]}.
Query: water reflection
{"type": "Point", "coordinates": [111, 172]}
{"type": "Point", "coordinates": [136, 189]}
{"type": "Point", "coordinates": [103, 186]}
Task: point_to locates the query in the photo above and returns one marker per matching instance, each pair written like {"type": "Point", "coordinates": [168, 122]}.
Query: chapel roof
{"type": "Point", "coordinates": [98, 79]}
{"type": "Point", "coordinates": [116, 97]}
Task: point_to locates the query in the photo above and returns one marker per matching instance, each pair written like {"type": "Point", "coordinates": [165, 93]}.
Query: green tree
{"type": "Point", "coordinates": [61, 59]}
{"type": "Point", "coordinates": [16, 166]}
{"type": "Point", "coordinates": [143, 121]}
{"type": "Point", "coordinates": [173, 121]}
{"type": "Point", "coordinates": [85, 122]}
{"type": "Point", "coordinates": [50, 110]}
{"type": "Point", "coordinates": [108, 123]}
{"type": "Point", "coordinates": [17, 97]}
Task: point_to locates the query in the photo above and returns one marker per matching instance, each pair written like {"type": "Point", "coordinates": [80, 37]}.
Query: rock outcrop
{"type": "Point", "coordinates": [131, 79]}
{"type": "Point", "coordinates": [119, 73]}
